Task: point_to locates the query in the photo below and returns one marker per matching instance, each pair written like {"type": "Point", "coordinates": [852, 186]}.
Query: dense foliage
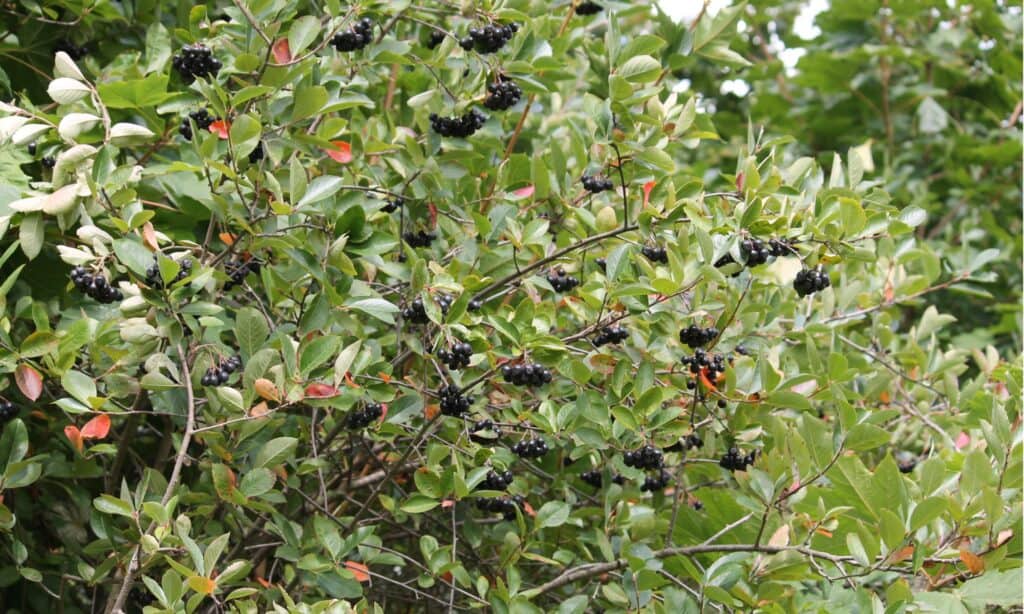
{"type": "Point", "coordinates": [397, 306]}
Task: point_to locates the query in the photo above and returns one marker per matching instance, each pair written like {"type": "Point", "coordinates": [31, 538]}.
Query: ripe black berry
{"type": "Point", "coordinates": [202, 118]}
{"type": "Point", "coordinates": [48, 162]}
{"type": "Point", "coordinates": [502, 95]}
{"type": "Point", "coordinates": [355, 38]}
{"type": "Point", "coordinates": [219, 374]}
{"type": "Point", "coordinates": [733, 461]}
{"type": "Point", "coordinates": [155, 280]}
{"type": "Point", "coordinates": [256, 154]}
{"type": "Point", "coordinates": [596, 183]}
{"type": "Point", "coordinates": [530, 448]}
{"type": "Point", "coordinates": [809, 281]}
{"type": "Point", "coordinates": [75, 52]}
{"type": "Point", "coordinates": [645, 457]}
{"type": "Point", "coordinates": [238, 269]}
{"type": "Point", "coordinates": [475, 305]}
{"type": "Point", "coordinates": [436, 38]}
{"type": "Point", "coordinates": [655, 253]}
{"type": "Point", "coordinates": [562, 282]}
{"type": "Point", "coordinates": [95, 286]}
{"type": "Point", "coordinates": [506, 506]}
{"type": "Point", "coordinates": [712, 365]}
{"type": "Point", "coordinates": [466, 42]}
{"type": "Point", "coordinates": [459, 127]}
{"type": "Point", "coordinates": [195, 61]}
{"type": "Point", "coordinates": [458, 356]}
{"type": "Point", "coordinates": [526, 374]}
{"type": "Point", "coordinates": [655, 483]}
{"type": "Point", "coordinates": [453, 402]}
{"type": "Point", "coordinates": [496, 481]}
{"type": "Point", "coordinates": [601, 263]}
{"type": "Point", "coordinates": [611, 334]}
{"type": "Point", "coordinates": [906, 466]}
{"type": "Point", "coordinates": [362, 418]}
{"type": "Point", "coordinates": [588, 8]}
{"type": "Point", "coordinates": [32, 149]}
{"type": "Point", "coordinates": [7, 411]}
{"type": "Point", "coordinates": [393, 205]}
{"type": "Point", "coordinates": [419, 238]}
{"type": "Point", "coordinates": [485, 426]}
{"type": "Point", "coordinates": [695, 336]}
{"type": "Point", "coordinates": [492, 37]}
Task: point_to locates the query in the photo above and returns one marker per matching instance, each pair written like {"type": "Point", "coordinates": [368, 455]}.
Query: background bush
{"type": "Point", "coordinates": [848, 443]}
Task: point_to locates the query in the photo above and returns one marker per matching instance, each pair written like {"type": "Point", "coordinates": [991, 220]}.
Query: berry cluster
{"type": "Point", "coordinates": [526, 374]}
{"type": "Point", "coordinates": [154, 279]}
{"type": "Point", "coordinates": [588, 8]}
{"type": "Point", "coordinates": [460, 127]}
{"type": "Point", "coordinates": [475, 305]}
{"type": "Point", "coordinates": [596, 183]}
{"type": "Point", "coordinates": [594, 478]}
{"type": "Point", "coordinates": [530, 448]}
{"type": "Point", "coordinates": [219, 375]}
{"type": "Point", "coordinates": [96, 286]}
{"type": "Point", "coordinates": [562, 282]}
{"type": "Point", "coordinates": [453, 402]}
{"type": "Point", "coordinates": [755, 252]}
{"type": "Point", "coordinates": [436, 38]}
{"type": "Point", "coordinates": [503, 95]}
{"type": "Point", "coordinates": [612, 334]}
{"type": "Point", "coordinates": [809, 281]}
{"type": "Point", "coordinates": [238, 269]}
{"type": "Point", "coordinates": [75, 52]}
{"type": "Point", "coordinates": [645, 457]}
{"type": "Point", "coordinates": [734, 462]}
{"type": "Point", "coordinates": [420, 238]}
{"type": "Point", "coordinates": [654, 483]}
{"type": "Point", "coordinates": [655, 253]}
{"type": "Point", "coordinates": [496, 481]}
{"type": "Point", "coordinates": [689, 442]}
{"type": "Point", "coordinates": [195, 61]}
{"type": "Point", "coordinates": [362, 418]}
{"type": "Point", "coordinates": [489, 39]}
{"type": "Point", "coordinates": [7, 410]}
{"type": "Point", "coordinates": [417, 314]}
{"type": "Point", "coordinates": [257, 153]}
{"type": "Point", "coordinates": [390, 206]}
{"type": "Point", "coordinates": [695, 336]}
{"type": "Point", "coordinates": [457, 357]}
{"type": "Point", "coordinates": [356, 37]}
{"type": "Point", "coordinates": [202, 118]}
{"type": "Point", "coordinates": [506, 506]}
{"type": "Point", "coordinates": [713, 364]}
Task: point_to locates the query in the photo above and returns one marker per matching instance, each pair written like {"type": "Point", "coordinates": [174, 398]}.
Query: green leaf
{"type": "Point", "coordinates": [79, 385]}
{"type": "Point", "coordinates": [109, 504]}
{"type": "Point", "coordinates": [31, 234]}
{"type": "Point", "coordinates": [245, 135]}
{"type": "Point", "coordinates": [256, 482]}
{"type": "Point", "coordinates": [553, 514]}
{"type": "Point", "coordinates": [926, 511]}
{"type": "Point", "coordinates": [417, 504]}
{"type": "Point", "coordinates": [133, 255]}
{"type": "Point", "coordinates": [39, 343]}
{"type": "Point", "coordinates": [134, 93]}
{"type": "Point", "coordinates": [251, 331]}
{"type": "Point", "coordinates": [866, 437]}
{"type": "Point", "coordinates": [309, 101]}
{"type": "Point", "coordinates": [275, 452]}
{"type": "Point", "coordinates": [303, 31]}
{"type": "Point", "coordinates": [376, 307]}
{"type": "Point", "coordinates": [317, 352]}
{"type": "Point", "coordinates": [319, 189]}
{"type": "Point", "coordinates": [640, 69]}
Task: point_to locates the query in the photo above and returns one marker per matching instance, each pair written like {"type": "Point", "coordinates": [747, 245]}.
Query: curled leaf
{"type": "Point", "coordinates": [341, 153]}
{"type": "Point", "coordinates": [282, 52]}
{"type": "Point", "coordinates": [321, 391]}
{"type": "Point", "coordinates": [74, 436]}
{"type": "Point", "coordinates": [266, 389]}
{"type": "Point", "coordinates": [220, 128]}
{"type": "Point", "coordinates": [97, 428]}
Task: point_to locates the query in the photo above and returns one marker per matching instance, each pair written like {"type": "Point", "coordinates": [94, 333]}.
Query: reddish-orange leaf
{"type": "Point", "coordinates": [525, 192]}
{"type": "Point", "coordinates": [884, 397]}
{"type": "Point", "coordinates": [360, 571]}
{"type": "Point", "coordinates": [447, 577]}
{"type": "Point", "coordinates": [962, 440]}
{"type": "Point", "coordinates": [220, 128]}
{"type": "Point", "coordinates": [266, 389]}
{"type": "Point", "coordinates": [704, 380]}
{"type": "Point", "coordinates": [149, 237]}
{"type": "Point", "coordinates": [529, 509]}
{"type": "Point", "coordinates": [890, 292]}
{"type": "Point", "coordinates": [430, 411]}
{"type": "Point", "coordinates": [30, 383]}
{"type": "Point", "coordinates": [383, 412]}
{"type": "Point", "coordinates": [739, 181]}
{"type": "Point", "coordinates": [227, 238]}
{"type": "Point", "coordinates": [647, 192]}
{"type": "Point", "coordinates": [446, 503]}
{"type": "Point", "coordinates": [321, 391]}
{"type": "Point", "coordinates": [823, 532]}
{"type": "Point", "coordinates": [384, 376]}
{"type": "Point", "coordinates": [282, 53]}
{"type": "Point", "coordinates": [263, 581]}
{"type": "Point", "coordinates": [74, 436]}
{"type": "Point", "coordinates": [902, 554]}
{"type": "Point", "coordinates": [341, 153]}
{"type": "Point", "coordinates": [97, 428]}
{"type": "Point", "coordinates": [974, 562]}
{"type": "Point", "coordinates": [349, 381]}
{"type": "Point", "coordinates": [259, 410]}
{"type": "Point", "coordinates": [433, 214]}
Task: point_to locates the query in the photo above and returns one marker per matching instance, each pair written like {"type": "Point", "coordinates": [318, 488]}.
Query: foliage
{"type": "Point", "coordinates": [844, 450]}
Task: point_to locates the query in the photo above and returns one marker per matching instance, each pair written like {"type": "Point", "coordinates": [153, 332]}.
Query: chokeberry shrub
{"type": "Point", "coordinates": [277, 330]}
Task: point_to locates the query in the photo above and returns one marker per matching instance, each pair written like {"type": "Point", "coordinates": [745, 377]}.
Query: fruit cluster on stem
{"type": "Point", "coordinates": [195, 61]}
{"type": "Point", "coordinates": [461, 126]}
{"type": "Point", "coordinates": [595, 184]}
{"type": "Point", "coordinates": [219, 374]}
{"type": "Point", "coordinates": [611, 334]}
{"type": "Point", "coordinates": [530, 448]}
{"type": "Point", "coordinates": [95, 286]}
{"type": "Point", "coordinates": [458, 356]}
{"type": "Point", "coordinates": [364, 417]}
{"type": "Point", "coordinates": [202, 119]}
{"type": "Point", "coordinates": [526, 374]}
{"type": "Point", "coordinates": [355, 38]}
{"type": "Point", "coordinates": [561, 282]}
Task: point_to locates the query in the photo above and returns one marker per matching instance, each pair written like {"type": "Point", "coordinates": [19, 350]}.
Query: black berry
{"type": "Point", "coordinates": [202, 120]}
{"type": "Point", "coordinates": [453, 402]}
{"type": "Point", "coordinates": [611, 334]}
{"type": "Point", "coordinates": [195, 61]}
{"type": "Point", "coordinates": [7, 411]}
{"type": "Point", "coordinates": [491, 38]}
{"type": "Point", "coordinates": [526, 374]}
{"type": "Point", "coordinates": [695, 336]}
{"type": "Point", "coordinates": [596, 183]}
{"type": "Point", "coordinates": [809, 281]}
{"type": "Point", "coordinates": [561, 282]}
{"type": "Point", "coordinates": [458, 356]}
{"type": "Point", "coordinates": [459, 127]}
{"type": "Point", "coordinates": [645, 457]}
{"type": "Point", "coordinates": [436, 38]}
{"type": "Point", "coordinates": [355, 38]}
{"type": "Point", "coordinates": [95, 286]}
{"type": "Point", "coordinates": [588, 8]}
{"type": "Point", "coordinates": [734, 461]}
{"type": "Point", "coordinates": [530, 448]}
{"type": "Point", "coordinates": [364, 417]}
{"type": "Point", "coordinates": [655, 253]}
{"type": "Point", "coordinates": [502, 95]}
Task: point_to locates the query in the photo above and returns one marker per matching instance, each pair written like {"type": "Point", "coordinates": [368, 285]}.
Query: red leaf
{"type": "Point", "coordinates": [704, 380]}
{"type": "Point", "coordinates": [220, 128]}
{"type": "Point", "coordinates": [529, 509]}
{"type": "Point", "coordinates": [524, 192]}
{"type": "Point", "coordinates": [97, 428]}
{"type": "Point", "coordinates": [321, 391]}
{"type": "Point", "coordinates": [446, 503]}
{"type": "Point", "coordinates": [282, 53]}
{"type": "Point", "coordinates": [739, 181]}
{"type": "Point", "coordinates": [430, 411]}
{"type": "Point", "coordinates": [30, 383]}
{"type": "Point", "coordinates": [647, 191]}
{"type": "Point", "coordinates": [227, 238]}
{"type": "Point", "coordinates": [74, 436]}
{"type": "Point", "coordinates": [360, 571]}
{"type": "Point", "coordinates": [342, 152]}
{"type": "Point", "coordinates": [433, 214]}
{"type": "Point", "coordinates": [974, 562]}
{"type": "Point", "coordinates": [383, 412]}
{"type": "Point", "coordinates": [962, 440]}
{"type": "Point", "coordinates": [349, 381]}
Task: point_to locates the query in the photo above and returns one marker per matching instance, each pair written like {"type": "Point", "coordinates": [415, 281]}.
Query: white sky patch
{"type": "Point", "coordinates": [738, 87]}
